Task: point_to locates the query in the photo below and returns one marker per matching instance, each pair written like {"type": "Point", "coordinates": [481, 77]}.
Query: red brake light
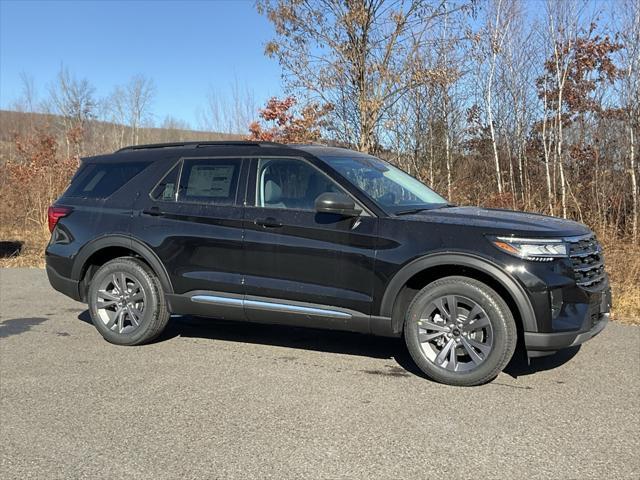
{"type": "Point", "coordinates": [56, 213]}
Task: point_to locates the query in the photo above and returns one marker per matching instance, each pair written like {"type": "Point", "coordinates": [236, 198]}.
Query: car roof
{"type": "Point", "coordinates": [328, 151]}
{"type": "Point", "coordinates": [158, 151]}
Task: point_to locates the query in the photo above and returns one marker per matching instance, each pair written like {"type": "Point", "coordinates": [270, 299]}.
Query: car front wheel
{"type": "Point", "coordinates": [459, 331]}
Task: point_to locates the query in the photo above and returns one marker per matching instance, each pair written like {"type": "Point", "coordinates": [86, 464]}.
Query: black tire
{"type": "Point", "coordinates": [501, 325]}
{"type": "Point", "coordinates": [154, 316]}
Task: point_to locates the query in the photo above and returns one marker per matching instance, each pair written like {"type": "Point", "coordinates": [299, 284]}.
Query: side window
{"type": "Point", "coordinates": [100, 180]}
{"type": "Point", "coordinates": [167, 190]}
{"type": "Point", "coordinates": [213, 181]}
{"type": "Point", "coordinates": [291, 184]}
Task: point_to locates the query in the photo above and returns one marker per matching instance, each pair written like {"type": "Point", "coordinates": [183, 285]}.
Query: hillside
{"type": "Point", "coordinates": [101, 137]}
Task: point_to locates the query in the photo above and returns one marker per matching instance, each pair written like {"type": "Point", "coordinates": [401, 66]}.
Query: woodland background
{"type": "Point", "coordinates": [482, 100]}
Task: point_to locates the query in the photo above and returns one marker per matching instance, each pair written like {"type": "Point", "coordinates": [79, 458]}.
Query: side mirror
{"type": "Point", "coordinates": [338, 204]}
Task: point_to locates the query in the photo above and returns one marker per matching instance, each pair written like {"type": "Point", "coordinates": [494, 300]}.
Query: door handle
{"type": "Point", "coordinates": [153, 211]}
{"type": "Point", "coordinates": [268, 222]}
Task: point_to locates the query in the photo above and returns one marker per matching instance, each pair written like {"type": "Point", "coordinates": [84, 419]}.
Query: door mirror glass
{"type": "Point", "coordinates": [337, 203]}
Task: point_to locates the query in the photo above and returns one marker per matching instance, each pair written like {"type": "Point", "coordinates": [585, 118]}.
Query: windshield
{"type": "Point", "coordinates": [391, 188]}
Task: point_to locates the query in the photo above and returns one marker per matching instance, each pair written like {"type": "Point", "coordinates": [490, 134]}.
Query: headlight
{"type": "Point", "coordinates": [535, 249]}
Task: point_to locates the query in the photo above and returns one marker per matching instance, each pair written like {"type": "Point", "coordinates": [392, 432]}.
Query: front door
{"type": "Point", "coordinates": [301, 263]}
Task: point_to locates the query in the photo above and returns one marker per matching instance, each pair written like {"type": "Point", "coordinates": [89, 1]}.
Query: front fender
{"type": "Point", "coordinates": [474, 262]}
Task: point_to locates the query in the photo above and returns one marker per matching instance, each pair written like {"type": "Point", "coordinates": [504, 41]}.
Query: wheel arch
{"type": "Point", "coordinates": [109, 247]}
{"type": "Point", "coordinates": [424, 270]}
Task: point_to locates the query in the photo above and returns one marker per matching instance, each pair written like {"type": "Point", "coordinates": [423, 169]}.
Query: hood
{"type": "Point", "coordinates": [501, 222]}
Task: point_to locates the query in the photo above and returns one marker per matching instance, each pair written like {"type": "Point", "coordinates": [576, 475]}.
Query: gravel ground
{"type": "Point", "coordinates": [224, 400]}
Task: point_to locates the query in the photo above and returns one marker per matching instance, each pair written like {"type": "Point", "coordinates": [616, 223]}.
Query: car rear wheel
{"type": "Point", "coordinates": [127, 303]}
{"type": "Point", "coordinates": [459, 331]}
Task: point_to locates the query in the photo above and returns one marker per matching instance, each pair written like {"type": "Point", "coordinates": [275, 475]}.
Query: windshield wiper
{"type": "Point", "coordinates": [422, 209]}
{"type": "Point", "coordinates": [413, 210]}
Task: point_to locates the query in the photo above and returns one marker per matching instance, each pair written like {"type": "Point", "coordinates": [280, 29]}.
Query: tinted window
{"type": "Point", "coordinates": [100, 180]}
{"type": "Point", "coordinates": [290, 183]}
{"type": "Point", "coordinates": [389, 186]}
{"type": "Point", "coordinates": [167, 190]}
{"type": "Point", "coordinates": [209, 181]}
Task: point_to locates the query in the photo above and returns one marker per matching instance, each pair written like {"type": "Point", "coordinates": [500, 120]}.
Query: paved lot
{"type": "Point", "coordinates": [221, 400]}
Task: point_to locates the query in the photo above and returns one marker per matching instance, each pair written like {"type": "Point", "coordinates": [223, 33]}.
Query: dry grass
{"type": "Point", "coordinates": [623, 265]}
{"type": "Point", "coordinates": [31, 253]}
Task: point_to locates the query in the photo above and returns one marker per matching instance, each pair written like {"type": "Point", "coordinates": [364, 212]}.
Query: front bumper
{"type": "Point", "coordinates": [538, 344]}
{"type": "Point", "coordinates": [590, 318]}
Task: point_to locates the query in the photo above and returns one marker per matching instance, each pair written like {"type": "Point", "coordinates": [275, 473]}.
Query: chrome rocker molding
{"type": "Point", "coordinates": [237, 307]}
{"type": "Point", "coordinates": [271, 306]}
{"type": "Point", "coordinates": [217, 300]}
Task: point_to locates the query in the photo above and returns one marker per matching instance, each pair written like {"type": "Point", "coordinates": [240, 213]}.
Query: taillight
{"type": "Point", "coordinates": [56, 213]}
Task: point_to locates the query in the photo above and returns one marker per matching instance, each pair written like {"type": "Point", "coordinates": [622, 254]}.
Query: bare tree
{"type": "Point", "coordinates": [630, 97]}
{"type": "Point", "coordinates": [173, 129]}
{"type": "Point", "coordinates": [27, 102]}
{"type": "Point", "coordinates": [130, 106]}
{"type": "Point", "coordinates": [515, 84]}
{"type": "Point", "coordinates": [230, 113]}
{"type": "Point", "coordinates": [445, 79]}
{"type": "Point", "coordinates": [139, 93]}
{"type": "Point", "coordinates": [117, 113]}
{"type": "Point", "coordinates": [28, 99]}
{"type": "Point", "coordinates": [497, 28]}
{"type": "Point", "coordinates": [563, 27]}
{"type": "Point", "coordinates": [74, 100]}
{"type": "Point", "coordinates": [357, 56]}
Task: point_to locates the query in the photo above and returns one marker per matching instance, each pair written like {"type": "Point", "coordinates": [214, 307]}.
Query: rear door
{"type": "Point", "coordinates": [296, 257]}
{"type": "Point", "coordinates": [192, 220]}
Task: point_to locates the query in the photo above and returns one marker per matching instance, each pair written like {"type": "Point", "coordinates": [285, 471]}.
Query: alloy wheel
{"type": "Point", "coordinates": [121, 302]}
{"type": "Point", "coordinates": [455, 333]}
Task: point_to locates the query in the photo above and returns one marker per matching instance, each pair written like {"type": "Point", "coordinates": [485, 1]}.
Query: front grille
{"type": "Point", "coordinates": [588, 261]}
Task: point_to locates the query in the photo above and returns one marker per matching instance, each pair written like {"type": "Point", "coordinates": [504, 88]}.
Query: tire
{"type": "Point", "coordinates": [470, 349]}
{"type": "Point", "coordinates": [132, 317]}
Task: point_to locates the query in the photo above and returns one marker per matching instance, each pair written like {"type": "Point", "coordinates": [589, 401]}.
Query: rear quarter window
{"type": "Point", "coordinates": [166, 190]}
{"type": "Point", "coordinates": [101, 180]}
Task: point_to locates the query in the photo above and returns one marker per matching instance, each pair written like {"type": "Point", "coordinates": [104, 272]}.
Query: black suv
{"type": "Point", "coordinates": [321, 237]}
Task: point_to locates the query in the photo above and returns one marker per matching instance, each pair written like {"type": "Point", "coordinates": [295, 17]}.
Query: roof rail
{"type": "Point", "coordinates": [200, 144]}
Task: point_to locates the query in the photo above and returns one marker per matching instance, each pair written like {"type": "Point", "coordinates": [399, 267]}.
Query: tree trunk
{"type": "Point", "coordinates": [563, 189]}
{"type": "Point", "coordinates": [448, 159]}
{"type": "Point", "coordinates": [495, 147]}
{"type": "Point", "coordinates": [546, 155]}
{"type": "Point", "coordinates": [519, 158]}
{"type": "Point", "coordinates": [431, 154]}
{"type": "Point", "coordinates": [492, 66]}
{"type": "Point", "coordinates": [634, 182]}
{"type": "Point", "coordinates": [511, 178]}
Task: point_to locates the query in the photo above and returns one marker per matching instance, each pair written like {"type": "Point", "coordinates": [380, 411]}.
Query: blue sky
{"type": "Point", "coordinates": [184, 46]}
